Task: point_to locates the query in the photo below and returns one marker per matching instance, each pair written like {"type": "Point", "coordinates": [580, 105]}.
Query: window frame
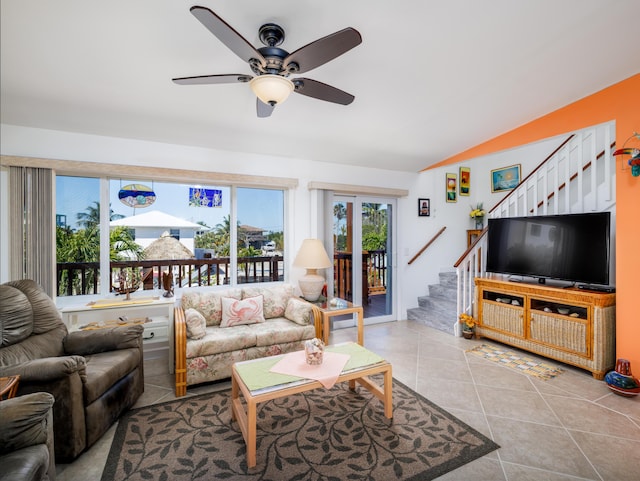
{"type": "Point", "coordinates": [105, 230]}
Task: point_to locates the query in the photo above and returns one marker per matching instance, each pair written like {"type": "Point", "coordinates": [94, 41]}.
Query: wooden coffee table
{"type": "Point", "coordinates": [244, 371]}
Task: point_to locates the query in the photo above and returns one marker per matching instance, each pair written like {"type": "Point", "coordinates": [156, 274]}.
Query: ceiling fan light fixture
{"type": "Point", "coordinates": [271, 89]}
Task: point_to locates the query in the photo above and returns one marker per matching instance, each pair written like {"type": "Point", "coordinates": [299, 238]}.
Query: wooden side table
{"type": "Point", "coordinates": [343, 307]}
{"type": "Point", "coordinates": [472, 235]}
{"type": "Point", "coordinates": [8, 387]}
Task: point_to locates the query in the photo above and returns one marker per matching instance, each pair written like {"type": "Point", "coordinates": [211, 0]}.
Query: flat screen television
{"type": "Point", "coordinates": [571, 247]}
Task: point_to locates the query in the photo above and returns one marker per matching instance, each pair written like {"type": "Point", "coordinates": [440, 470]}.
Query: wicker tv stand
{"type": "Point", "coordinates": [570, 325]}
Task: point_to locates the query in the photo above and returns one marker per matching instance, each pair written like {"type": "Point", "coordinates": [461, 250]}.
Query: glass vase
{"type": "Point", "coordinates": [314, 350]}
{"type": "Point", "coordinates": [621, 381]}
{"type": "Point", "coordinates": [479, 223]}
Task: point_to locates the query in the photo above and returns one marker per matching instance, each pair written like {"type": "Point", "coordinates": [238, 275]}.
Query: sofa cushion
{"type": "Point", "coordinates": [23, 421]}
{"type": "Point", "coordinates": [106, 368]}
{"type": "Point", "coordinates": [16, 316]}
{"type": "Point", "coordinates": [38, 346]}
{"type": "Point", "coordinates": [219, 340]}
{"type": "Point", "coordinates": [209, 303]}
{"type": "Point", "coordinates": [237, 312]}
{"type": "Point", "coordinates": [196, 324]}
{"type": "Point", "coordinates": [26, 464]}
{"type": "Point", "coordinates": [298, 311]}
{"type": "Point", "coordinates": [275, 298]}
{"type": "Point", "coordinates": [281, 331]}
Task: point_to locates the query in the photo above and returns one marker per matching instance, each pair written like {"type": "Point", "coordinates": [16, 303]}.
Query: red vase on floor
{"type": "Point", "coordinates": [621, 381]}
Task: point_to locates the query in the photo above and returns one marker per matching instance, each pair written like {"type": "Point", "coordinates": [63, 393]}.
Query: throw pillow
{"type": "Point", "coordinates": [208, 302]}
{"type": "Point", "coordinates": [196, 324]}
{"type": "Point", "coordinates": [246, 311]}
{"type": "Point", "coordinates": [298, 311]}
{"type": "Point", "coordinates": [275, 298]}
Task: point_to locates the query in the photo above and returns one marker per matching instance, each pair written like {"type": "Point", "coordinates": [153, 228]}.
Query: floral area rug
{"type": "Point", "coordinates": [325, 434]}
{"type": "Point", "coordinates": [516, 361]}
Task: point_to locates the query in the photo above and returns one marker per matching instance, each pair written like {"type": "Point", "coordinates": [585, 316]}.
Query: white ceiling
{"type": "Point", "coordinates": [431, 78]}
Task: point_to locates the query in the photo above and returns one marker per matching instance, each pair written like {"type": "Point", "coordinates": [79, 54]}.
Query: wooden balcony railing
{"type": "Point", "coordinates": [80, 278]}
{"type": "Point", "coordinates": [83, 278]}
{"type": "Point", "coordinates": [374, 274]}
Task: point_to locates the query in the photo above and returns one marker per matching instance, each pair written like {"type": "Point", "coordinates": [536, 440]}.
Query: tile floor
{"type": "Point", "coordinates": [571, 427]}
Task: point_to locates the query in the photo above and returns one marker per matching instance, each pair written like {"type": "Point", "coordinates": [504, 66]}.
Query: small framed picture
{"type": "Point", "coordinates": [506, 178]}
{"type": "Point", "coordinates": [452, 187]}
{"type": "Point", "coordinates": [465, 181]}
{"type": "Point", "coordinates": [424, 207]}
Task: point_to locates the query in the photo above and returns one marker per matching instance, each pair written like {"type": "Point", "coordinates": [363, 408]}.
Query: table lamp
{"type": "Point", "coordinates": [312, 256]}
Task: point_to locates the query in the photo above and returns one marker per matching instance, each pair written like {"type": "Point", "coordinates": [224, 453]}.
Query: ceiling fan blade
{"type": "Point", "coordinates": [213, 79]}
{"type": "Point", "coordinates": [227, 34]}
{"type": "Point", "coordinates": [321, 91]}
{"type": "Point", "coordinates": [322, 50]}
{"type": "Point", "coordinates": [263, 110]}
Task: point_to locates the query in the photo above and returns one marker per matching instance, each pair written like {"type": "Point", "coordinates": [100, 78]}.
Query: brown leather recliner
{"type": "Point", "coordinates": [93, 375]}
{"type": "Point", "coordinates": [26, 438]}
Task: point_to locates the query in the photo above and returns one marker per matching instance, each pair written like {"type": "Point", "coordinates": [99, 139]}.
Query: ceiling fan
{"type": "Point", "coordinates": [272, 65]}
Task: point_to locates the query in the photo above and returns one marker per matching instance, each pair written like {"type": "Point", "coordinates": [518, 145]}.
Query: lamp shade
{"type": "Point", "coordinates": [271, 89]}
{"type": "Point", "coordinates": [312, 255]}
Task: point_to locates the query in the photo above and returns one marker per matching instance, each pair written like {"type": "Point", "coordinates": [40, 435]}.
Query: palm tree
{"type": "Point", "coordinates": [278, 238]}
{"type": "Point", "coordinates": [122, 246]}
{"type": "Point", "coordinates": [339, 229]}
{"type": "Point", "coordinates": [91, 217]}
{"type": "Point", "coordinates": [83, 245]}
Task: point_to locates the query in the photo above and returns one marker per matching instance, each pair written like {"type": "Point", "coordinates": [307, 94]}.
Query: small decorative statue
{"type": "Point", "coordinates": [129, 282]}
{"type": "Point", "coordinates": [167, 284]}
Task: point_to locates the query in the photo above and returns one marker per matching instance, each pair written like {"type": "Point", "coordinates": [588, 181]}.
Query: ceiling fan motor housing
{"type": "Point", "coordinates": [271, 34]}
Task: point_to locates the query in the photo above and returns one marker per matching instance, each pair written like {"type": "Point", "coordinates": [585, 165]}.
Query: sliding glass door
{"type": "Point", "coordinates": [363, 236]}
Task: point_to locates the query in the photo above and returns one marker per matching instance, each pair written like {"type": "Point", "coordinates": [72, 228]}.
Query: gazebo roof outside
{"type": "Point", "coordinates": [167, 247]}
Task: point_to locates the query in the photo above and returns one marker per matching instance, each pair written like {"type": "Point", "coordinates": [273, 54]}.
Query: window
{"type": "Point", "coordinates": [260, 234]}
{"type": "Point", "coordinates": [160, 228]}
{"type": "Point", "coordinates": [77, 235]}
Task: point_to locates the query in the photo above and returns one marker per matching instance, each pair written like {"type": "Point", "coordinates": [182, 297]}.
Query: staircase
{"type": "Point", "coordinates": [578, 177]}
{"type": "Point", "coordinates": [438, 308]}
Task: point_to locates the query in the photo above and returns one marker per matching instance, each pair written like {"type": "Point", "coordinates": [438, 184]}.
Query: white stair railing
{"type": "Point", "coordinates": [579, 176]}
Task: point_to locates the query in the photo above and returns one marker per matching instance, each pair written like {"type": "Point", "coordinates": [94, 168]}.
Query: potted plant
{"type": "Point", "coordinates": [468, 325]}
{"type": "Point", "coordinates": [477, 215]}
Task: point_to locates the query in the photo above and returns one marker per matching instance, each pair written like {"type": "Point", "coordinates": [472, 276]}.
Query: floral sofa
{"type": "Point", "coordinates": [214, 329]}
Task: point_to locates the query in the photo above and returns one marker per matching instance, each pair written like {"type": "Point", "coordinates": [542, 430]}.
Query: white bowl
{"type": "Point", "coordinates": [563, 310]}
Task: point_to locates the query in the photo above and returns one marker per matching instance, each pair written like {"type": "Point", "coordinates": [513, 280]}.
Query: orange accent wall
{"type": "Point", "coordinates": [619, 102]}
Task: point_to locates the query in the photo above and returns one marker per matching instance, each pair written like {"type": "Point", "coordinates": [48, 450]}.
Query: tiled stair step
{"type": "Point", "coordinates": [433, 319]}
{"type": "Point", "coordinates": [438, 309]}
{"type": "Point", "coordinates": [439, 291]}
{"type": "Point", "coordinates": [449, 279]}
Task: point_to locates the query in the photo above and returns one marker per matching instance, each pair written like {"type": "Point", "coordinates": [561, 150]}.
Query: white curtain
{"type": "Point", "coordinates": [31, 217]}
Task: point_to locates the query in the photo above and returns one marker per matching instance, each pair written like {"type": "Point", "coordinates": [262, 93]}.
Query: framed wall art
{"type": "Point", "coordinates": [506, 178]}
{"type": "Point", "coordinates": [465, 181]}
{"type": "Point", "coordinates": [424, 207]}
{"type": "Point", "coordinates": [452, 187]}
